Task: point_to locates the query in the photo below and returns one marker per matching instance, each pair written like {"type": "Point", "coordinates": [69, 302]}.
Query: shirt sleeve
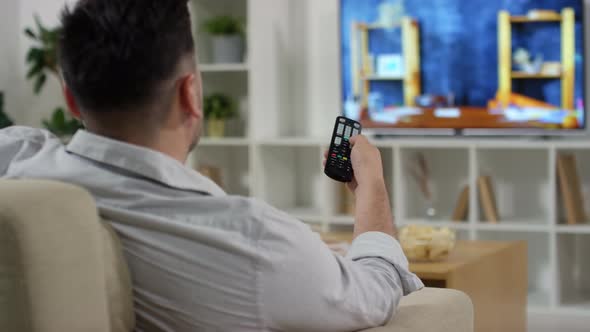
{"type": "Point", "coordinates": [305, 286]}
{"type": "Point", "coordinates": [19, 143]}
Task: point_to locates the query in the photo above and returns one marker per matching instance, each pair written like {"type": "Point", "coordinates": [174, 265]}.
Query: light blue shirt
{"type": "Point", "coordinates": [202, 260]}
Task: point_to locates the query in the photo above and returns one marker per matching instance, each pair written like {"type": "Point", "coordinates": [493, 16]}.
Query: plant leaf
{"type": "Point", "coordinates": [34, 53]}
{"type": "Point", "coordinates": [29, 32]}
{"type": "Point", "coordinates": [39, 83]}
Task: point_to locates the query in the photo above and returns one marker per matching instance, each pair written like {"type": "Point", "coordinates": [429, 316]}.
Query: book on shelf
{"type": "Point", "coordinates": [571, 192]}
{"type": "Point", "coordinates": [487, 199]}
{"type": "Point", "coordinates": [462, 206]}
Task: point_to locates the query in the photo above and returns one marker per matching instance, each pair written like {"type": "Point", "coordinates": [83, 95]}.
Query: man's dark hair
{"type": "Point", "coordinates": [115, 53]}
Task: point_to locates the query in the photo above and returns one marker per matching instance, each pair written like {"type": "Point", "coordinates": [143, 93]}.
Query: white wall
{"type": "Point", "coordinates": [9, 23]}
{"type": "Point", "coordinates": [24, 107]}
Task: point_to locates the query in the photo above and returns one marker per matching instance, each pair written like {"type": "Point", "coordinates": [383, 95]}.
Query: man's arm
{"type": "Point", "coordinates": [372, 209]}
{"type": "Point", "coordinates": [306, 287]}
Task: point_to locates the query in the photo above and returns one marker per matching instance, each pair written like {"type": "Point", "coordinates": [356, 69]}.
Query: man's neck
{"type": "Point", "coordinates": [163, 142]}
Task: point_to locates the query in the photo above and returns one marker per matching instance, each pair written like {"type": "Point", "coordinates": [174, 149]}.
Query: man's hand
{"type": "Point", "coordinates": [373, 211]}
{"type": "Point", "coordinates": [366, 163]}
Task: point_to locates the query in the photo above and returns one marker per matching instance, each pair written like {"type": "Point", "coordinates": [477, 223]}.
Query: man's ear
{"type": "Point", "coordinates": [188, 96]}
{"type": "Point", "coordinates": [71, 101]}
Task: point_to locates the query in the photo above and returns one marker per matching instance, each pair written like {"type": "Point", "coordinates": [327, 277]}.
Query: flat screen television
{"type": "Point", "coordinates": [506, 67]}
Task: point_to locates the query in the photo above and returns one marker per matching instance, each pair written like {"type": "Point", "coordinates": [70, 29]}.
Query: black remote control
{"type": "Point", "coordinates": [338, 165]}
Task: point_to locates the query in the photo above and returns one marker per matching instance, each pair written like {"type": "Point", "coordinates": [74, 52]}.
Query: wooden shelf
{"type": "Point", "coordinates": [223, 67]}
{"type": "Point", "coordinates": [383, 78]}
{"type": "Point", "coordinates": [523, 75]}
{"type": "Point", "coordinates": [567, 21]}
{"type": "Point", "coordinates": [361, 60]}
{"type": "Point", "coordinates": [526, 19]}
{"type": "Point", "coordinates": [224, 141]}
{"type": "Point", "coordinates": [377, 26]}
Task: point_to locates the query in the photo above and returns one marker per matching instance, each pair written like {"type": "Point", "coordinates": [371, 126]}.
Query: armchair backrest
{"type": "Point", "coordinates": [61, 269]}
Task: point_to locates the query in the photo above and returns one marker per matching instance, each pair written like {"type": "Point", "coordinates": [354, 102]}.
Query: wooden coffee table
{"type": "Point", "coordinates": [493, 274]}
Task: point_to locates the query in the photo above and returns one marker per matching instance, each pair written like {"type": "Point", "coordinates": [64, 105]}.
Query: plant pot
{"type": "Point", "coordinates": [228, 49]}
{"type": "Point", "coordinates": [215, 127]}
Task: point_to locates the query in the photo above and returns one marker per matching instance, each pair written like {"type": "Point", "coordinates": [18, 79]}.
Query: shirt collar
{"type": "Point", "coordinates": [141, 161]}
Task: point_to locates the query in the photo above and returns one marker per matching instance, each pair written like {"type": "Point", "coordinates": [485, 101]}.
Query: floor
{"type": "Point", "coordinates": [550, 323]}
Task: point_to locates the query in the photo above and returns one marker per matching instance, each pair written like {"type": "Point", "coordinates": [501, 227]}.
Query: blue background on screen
{"type": "Point", "coordinates": [459, 48]}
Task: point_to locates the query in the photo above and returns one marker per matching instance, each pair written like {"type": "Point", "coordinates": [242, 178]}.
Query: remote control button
{"type": "Point", "coordinates": [355, 132]}
{"type": "Point", "coordinates": [347, 132]}
{"type": "Point", "coordinates": [356, 125]}
{"type": "Point", "coordinates": [342, 120]}
{"type": "Point", "coordinates": [337, 141]}
{"type": "Point", "coordinates": [345, 159]}
{"type": "Point", "coordinates": [340, 129]}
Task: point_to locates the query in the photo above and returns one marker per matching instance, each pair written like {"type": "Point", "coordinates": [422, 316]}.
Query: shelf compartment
{"type": "Point", "coordinates": [232, 163]}
{"type": "Point", "coordinates": [574, 270]}
{"type": "Point", "coordinates": [582, 157]}
{"type": "Point", "coordinates": [520, 183]}
{"type": "Point", "coordinates": [539, 268]}
{"type": "Point", "coordinates": [235, 86]}
{"type": "Point", "coordinates": [449, 174]}
{"type": "Point", "coordinates": [202, 10]}
{"type": "Point", "coordinates": [292, 179]}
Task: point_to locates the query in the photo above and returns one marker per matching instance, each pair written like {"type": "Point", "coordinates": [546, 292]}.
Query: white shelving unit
{"type": "Point", "coordinates": [289, 97]}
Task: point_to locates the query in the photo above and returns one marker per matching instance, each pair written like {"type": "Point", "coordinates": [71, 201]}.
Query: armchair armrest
{"type": "Point", "coordinates": [432, 310]}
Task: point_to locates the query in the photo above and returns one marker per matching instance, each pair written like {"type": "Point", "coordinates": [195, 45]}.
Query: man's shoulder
{"type": "Point", "coordinates": [27, 134]}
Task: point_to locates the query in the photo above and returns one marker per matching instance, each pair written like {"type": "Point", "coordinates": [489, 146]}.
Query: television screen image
{"type": "Point", "coordinates": [456, 64]}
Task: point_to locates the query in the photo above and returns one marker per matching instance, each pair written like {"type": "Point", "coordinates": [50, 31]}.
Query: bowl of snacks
{"type": "Point", "coordinates": [426, 243]}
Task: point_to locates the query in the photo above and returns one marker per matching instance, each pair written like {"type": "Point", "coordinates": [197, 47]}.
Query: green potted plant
{"type": "Point", "coordinates": [62, 125]}
{"type": "Point", "coordinates": [4, 119]}
{"type": "Point", "coordinates": [42, 62]}
{"type": "Point", "coordinates": [228, 39]}
{"type": "Point", "coordinates": [218, 108]}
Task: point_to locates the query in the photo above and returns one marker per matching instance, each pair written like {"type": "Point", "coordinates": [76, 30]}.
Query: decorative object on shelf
{"type": "Point", "coordinates": [352, 108]}
{"type": "Point", "coordinates": [524, 62]}
{"type": "Point", "coordinates": [4, 119]}
{"type": "Point", "coordinates": [487, 199]}
{"type": "Point", "coordinates": [390, 65]}
{"type": "Point", "coordinates": [551, 68]}
{"type": "Point", "coordinates": [218, 108]}
{"type": "Point", "coordinates": [376, 103]}
{"type": "Point", "coordinates": [571, 193]}
{"type": "Point", "coordinates": [212, 172]}
{"type": "Point", "coordinates": [391, 14]}
{"type": "Point", "coordinates": [462, 207]}
{"type": "Point", "coordinates": [420, 171]}
{"type": "Point", "coordinates": [426, 243]}
{"type": "Point", "coordinates": [42, 62]}
{"type": "Point", "coordinates": [542, 14]}
{"type": "Point", "coordinates": [228, 39]}
{"type": "Point", "coordinates": [430, 101]}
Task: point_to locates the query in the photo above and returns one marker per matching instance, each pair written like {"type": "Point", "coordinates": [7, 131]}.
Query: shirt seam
{"type": "Point", "coordinates": [258, 280]}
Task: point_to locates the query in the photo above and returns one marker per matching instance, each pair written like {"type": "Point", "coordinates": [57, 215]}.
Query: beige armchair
{"type": "Point", "coordinates": [61, 269]}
